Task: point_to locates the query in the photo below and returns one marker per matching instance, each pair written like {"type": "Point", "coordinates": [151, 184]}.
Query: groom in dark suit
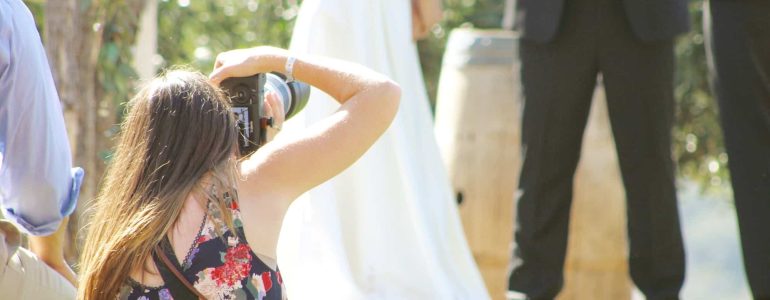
{"type": "Point", "coordinates": [564, 46]}
{"type": "Point", "coordinates": [738, 45]}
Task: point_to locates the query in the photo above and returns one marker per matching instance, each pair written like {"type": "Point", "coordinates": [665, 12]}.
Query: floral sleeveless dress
{"type": "Point", "coordinates": [219, 264]}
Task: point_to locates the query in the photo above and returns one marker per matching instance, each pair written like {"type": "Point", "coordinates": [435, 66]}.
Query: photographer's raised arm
{"type": "Point", "coordinates": [291, 165]}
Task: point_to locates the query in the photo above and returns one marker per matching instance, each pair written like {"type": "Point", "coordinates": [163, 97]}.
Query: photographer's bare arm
{"type": "Point", "coordinates": [290, 165]}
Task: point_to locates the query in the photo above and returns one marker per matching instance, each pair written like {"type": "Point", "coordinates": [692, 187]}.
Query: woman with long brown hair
{"type": "Point", "coordinates": [175, 180]}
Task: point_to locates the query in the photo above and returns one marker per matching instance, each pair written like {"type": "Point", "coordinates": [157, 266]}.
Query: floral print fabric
{"type": "Point", "coordinates": [220, 265]}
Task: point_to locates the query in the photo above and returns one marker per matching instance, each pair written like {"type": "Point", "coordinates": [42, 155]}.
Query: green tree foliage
{"type": "Point", "coordinates": [193, 32]}
{"type": "Point", "coordinates": [115, 73]}
{"type": "Point", "coordinates": [698, 143]}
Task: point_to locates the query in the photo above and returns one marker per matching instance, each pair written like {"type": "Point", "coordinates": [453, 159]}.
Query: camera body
{"type": "Point", "coordinates": [247, 98]}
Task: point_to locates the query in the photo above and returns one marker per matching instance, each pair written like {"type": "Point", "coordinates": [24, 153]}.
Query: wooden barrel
{"type": "Point", "coordinates": [477, 129]}
{"type": "Point", "coordinates": [478, 119]}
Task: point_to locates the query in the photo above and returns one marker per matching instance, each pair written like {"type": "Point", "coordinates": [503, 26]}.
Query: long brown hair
{"type": "Point", "coordinates": [178, 129]}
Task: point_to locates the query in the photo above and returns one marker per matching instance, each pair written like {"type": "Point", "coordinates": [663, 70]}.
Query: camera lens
{"type": "Point", "coordinates": [294, 95]}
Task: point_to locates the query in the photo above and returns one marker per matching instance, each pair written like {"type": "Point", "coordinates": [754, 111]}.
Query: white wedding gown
{"type": "Point", "coordinates": [388, 226]}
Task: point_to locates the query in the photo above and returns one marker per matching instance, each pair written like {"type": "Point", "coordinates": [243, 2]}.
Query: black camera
{"type": "Point", "coordinates": [247, 98]}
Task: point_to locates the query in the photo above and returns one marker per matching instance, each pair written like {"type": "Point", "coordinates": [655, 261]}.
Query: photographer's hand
{"type": "Point", "coordinates": [274, 109]}
{"type": "Point", "coordinates": [247, 62]}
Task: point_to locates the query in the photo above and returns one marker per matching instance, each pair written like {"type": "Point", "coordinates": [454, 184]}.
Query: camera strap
{"type": "Point", "coordinates": [176, 283]}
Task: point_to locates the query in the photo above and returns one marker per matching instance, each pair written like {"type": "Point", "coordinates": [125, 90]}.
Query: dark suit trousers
{"type": "Point", "coordinates": [738, 40]}
{"type": "Point", "coordinates": [558, 80]}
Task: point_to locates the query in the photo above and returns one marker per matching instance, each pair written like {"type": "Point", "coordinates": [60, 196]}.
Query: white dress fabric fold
{"type": "Point", "coordinates": [388, 226]}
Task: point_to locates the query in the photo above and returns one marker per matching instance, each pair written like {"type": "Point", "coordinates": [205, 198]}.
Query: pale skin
{"type": "Point", "coordinates": [50, 249]}
{"type": "Point", "coordinates": [288, 166]}
{"type": "Point", "coordinates": [425, 14]}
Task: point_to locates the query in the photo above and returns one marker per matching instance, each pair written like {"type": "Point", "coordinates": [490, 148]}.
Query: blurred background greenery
{"type": "Point", "coordinates": [192, 32]}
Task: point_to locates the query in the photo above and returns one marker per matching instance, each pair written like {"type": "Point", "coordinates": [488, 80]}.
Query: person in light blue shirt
{"type": "Point", "coordinates": [38, 186]}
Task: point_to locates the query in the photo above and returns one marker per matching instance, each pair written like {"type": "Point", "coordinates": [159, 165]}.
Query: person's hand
{"type": "Point", "coordinates": [247, 62]}
{"type": "Point", "coordinates": [274, 109]}
{"type": "Point", "coordinates": [419, 30]}
{"type": "Point", "coordinates": [425, 15]}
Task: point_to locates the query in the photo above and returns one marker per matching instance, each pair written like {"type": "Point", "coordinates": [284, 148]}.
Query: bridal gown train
{"type": "Point", "coordinates": [388, 226]}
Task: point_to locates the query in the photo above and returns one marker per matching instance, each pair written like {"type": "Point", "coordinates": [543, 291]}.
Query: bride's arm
{"type": "Point", "coordinates": [425, 14]}
{"type": "Point", "coordinates": [291, 165]}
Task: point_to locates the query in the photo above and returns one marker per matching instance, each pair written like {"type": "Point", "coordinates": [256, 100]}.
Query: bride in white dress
{"type": "Point", "coordinates": [388, 227]}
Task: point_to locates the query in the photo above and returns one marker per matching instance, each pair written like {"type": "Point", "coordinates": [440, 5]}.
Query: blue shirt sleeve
{"type": "Point", "coordinates": [38, 186]}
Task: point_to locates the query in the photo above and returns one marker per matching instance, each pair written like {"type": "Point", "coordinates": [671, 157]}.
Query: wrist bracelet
{"type": "Point", "coordinates": [290, 68]}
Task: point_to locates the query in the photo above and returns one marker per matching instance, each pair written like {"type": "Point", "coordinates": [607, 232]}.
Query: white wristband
{"type": "Point", "coordinates": [290, 68]}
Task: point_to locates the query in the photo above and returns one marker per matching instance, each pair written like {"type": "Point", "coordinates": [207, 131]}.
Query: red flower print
{"type": "Point", "coordinates": [236, 266]}
{"type": "Point", "coordinates": [280, 279]}
{"type": "Point", "coordinates": [234, 205]}
{"type": "Point", "coordinates": [267, 281]}
{"type": "Point", "coordinates": [238, 253]}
